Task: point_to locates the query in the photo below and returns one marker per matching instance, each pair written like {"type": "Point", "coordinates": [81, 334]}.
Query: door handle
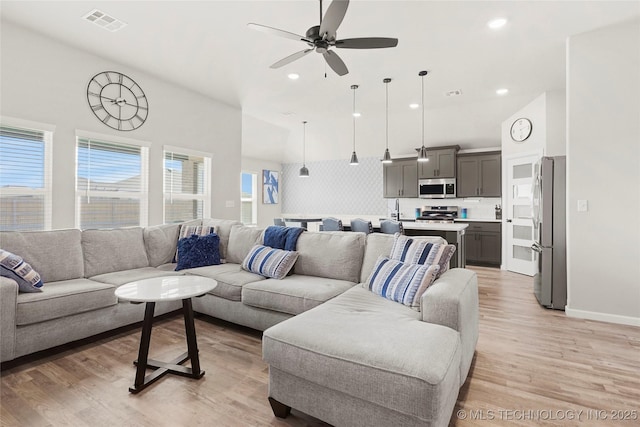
{"type": "Point", "coordinates": [536, 247]}
{"type": "Point", "coordinates": [508, 220]}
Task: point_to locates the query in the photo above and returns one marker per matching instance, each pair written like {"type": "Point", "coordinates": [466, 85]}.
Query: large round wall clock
{"type": "Point", "coordinates": [117, 100]}
{"type": "Point", "coordinates": [521, 129]}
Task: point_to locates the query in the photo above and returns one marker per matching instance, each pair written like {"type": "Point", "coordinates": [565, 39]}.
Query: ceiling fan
{"type": "Point", "coordinates": [323, 37]}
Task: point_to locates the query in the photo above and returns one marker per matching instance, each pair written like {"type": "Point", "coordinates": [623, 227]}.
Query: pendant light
{"type": "Point", "coordinates": [354, 156]}
{"type": "Point", "coordinates": [423, 156]}
{"type": "Point", "coordinates": [304, 172]}
{"type": "Point", "coordinates": [386, 158]}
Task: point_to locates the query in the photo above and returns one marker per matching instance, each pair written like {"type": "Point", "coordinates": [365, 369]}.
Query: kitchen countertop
{"type": "Point", "coordinates": [438, 226]}
{"type": "Point", "coordinates": [477, 220]}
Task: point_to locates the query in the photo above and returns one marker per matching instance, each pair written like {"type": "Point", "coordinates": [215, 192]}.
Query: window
{"type": "Point", "coordinates": [111, 183]}
{"type": "Point", "coordinates": [186, 185]}
{"type": "Point", "coordinates": [25, 175]}
{"type": "Point", "coordinates": [249, 199]}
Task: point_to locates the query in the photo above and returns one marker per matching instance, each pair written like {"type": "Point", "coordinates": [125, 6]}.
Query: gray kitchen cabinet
{"type": "Point", "coordinates": [400, 178]}
{"type": "Point", "coordinates": [484, 243]}
{"type": "Point", "coordinates": [441, 164]}
{"type": "Point", "coordinates": [479, 175]}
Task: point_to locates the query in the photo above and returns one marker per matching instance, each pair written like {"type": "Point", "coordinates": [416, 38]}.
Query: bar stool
{"type": "Point", "coordinates": [361, 225]}
{"type": "Point", "coordinates": [389, 226]}
{"type": "Point", "coordinates": [331, 224]}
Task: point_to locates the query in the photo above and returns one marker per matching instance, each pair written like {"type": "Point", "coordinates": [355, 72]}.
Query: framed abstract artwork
{"type": "Point", "coordinates": [270, 187]}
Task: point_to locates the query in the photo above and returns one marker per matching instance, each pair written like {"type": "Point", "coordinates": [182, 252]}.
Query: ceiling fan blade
{"type": "Point", "coordinates": [333, 18]}
{"type": "Point", "coordinates": [277, 32]}
{"type": "Point", "coordinates": [291, 58]}
{"type": "Point", "coordinates": [366, 43]}
{"type": "Point", "coordinates": [335, 63]}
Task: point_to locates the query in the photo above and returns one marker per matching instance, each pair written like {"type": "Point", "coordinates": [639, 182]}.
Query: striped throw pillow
{"type": "Point", "coordinates": [401, 282]}
{"type": "Point", "coordinates": [192, 230]}
{"type": "Point", "coordinates": [14, 267]}
{"type": "Point", "coordinates": [414, 251]}
{"type": "Point", "coordinates": [269, 262]}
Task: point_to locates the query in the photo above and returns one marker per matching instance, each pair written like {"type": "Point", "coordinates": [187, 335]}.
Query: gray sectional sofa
{"type": "Point", "coordinates": [335, 350]}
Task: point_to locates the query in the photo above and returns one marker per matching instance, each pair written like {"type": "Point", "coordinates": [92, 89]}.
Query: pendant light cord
{"type": "Point", "coordinates": [304, 142]}
{"type": "Point", "coordinates": [354, 117]}
{"type": "Point", "coordinates": [423, 110]}
{"type": "Point", "coordinates": [386, 85]}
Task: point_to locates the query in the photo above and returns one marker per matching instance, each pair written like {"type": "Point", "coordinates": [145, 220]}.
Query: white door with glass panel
{"type": "Point", "coordinates": [520, 174]}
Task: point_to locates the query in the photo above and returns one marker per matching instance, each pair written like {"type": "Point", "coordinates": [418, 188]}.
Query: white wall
{"type": "Point", "coordinates": [603, 154]}
{"type": "Point", "coordinates": [45, 81]}
{"type": "Point", "coordinates": [266, 213]}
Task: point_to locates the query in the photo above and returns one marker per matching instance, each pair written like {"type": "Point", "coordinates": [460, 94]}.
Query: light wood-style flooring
{"type": "Point", "coordinates": [532, 367]}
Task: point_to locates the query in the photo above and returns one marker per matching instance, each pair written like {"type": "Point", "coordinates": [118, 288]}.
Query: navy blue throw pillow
{"type": "Point", "coordinates": [198, 251]}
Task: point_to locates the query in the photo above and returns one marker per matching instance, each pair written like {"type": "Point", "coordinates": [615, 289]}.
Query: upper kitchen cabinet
{"type": "Point", "coordinates": [441, 164]}
{"type": "Point", "coordinates": [401, 178]}
{"type": "Point", "coordinates": [479, 174]}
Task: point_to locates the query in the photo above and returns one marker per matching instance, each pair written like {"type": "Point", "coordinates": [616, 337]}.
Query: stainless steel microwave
{"type": "Point", "coordinates": [444, 188]}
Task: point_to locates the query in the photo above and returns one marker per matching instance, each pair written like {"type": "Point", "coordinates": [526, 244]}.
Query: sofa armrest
{"type": "Point", "coordinates": [452, 301]}
{"type": "Point", "coordinates": [8, 305]}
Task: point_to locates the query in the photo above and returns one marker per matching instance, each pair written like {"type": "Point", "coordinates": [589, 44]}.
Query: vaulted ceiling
{"type": "Point", "coordinates": [206, 46]}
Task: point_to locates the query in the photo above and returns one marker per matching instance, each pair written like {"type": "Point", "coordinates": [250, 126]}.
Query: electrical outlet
{"type": "Point", "coordinates": [583, 205]}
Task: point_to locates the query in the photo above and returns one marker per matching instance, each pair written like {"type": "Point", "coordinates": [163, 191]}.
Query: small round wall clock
{"type": "Point", "coordinates": [117, 100]}
{"type": "Point", "coordinates": [521, 129]}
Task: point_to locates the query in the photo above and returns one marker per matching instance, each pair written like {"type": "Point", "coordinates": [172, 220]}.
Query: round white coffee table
{"type": "Point", "coordinates": [160, 289]}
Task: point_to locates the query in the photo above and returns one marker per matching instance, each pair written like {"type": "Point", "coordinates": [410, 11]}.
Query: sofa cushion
{"type": "Point", "coordinates": [160, 241]}
{"type": "Point", "coordinates": [41, 249]}
{"type": "Point", "coordinates": [401, 282]}
{"type": "Point", "coordinates": [198, 251]}
{"type": "Point", "coordinates": [293, 294]}
{"type": "Point", "coordinates": [332, 255]}
{"type": "Point", "coordinates": [64, 298]}
{"type": "Point", "coordinates": [373, 349]}
{"type": "Point", "coordinates": [15, 268]}
{"type": "Point", "coordinates": [106, 251]}
{"type": "Point", "coordinates": [230, 277]}
{"type": "Point", "coordinates": [118, 278]}
{"type": "Point", "coordinates": [377, 244]}
{"type": "Point", "coordinates": [223, 229]}
{"type": "Point", "coordinates": [269, 262]}
{"type": "Point", "coordinates": [241, 240]}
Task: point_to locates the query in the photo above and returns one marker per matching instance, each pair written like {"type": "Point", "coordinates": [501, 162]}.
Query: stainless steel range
{"type": "Point", "coordinates": [438, 214]}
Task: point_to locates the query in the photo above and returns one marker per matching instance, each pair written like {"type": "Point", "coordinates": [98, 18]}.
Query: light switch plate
{"type": "Point", "coordinates": [230, 204]}
{"type": "Point", "coordinates": [583, 205]}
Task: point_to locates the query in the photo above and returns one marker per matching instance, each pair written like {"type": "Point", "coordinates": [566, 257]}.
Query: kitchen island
{"type": "Point", "coordinates": [453, 233]}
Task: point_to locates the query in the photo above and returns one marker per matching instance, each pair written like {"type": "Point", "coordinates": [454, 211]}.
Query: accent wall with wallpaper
{"type": "Point", "coordinates": [336, 188]}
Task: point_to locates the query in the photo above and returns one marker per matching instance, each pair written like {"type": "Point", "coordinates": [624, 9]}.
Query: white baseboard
{"type": "Point", "coordinates": [602, 317]}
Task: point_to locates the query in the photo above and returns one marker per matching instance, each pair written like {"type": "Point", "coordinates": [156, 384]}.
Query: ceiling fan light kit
{"type": "Point", "coordinates": [322, 38]}
{"type": "Point", "coordinates": [423, 155]}
{"type": "Point", "coordinates": [304, 171]}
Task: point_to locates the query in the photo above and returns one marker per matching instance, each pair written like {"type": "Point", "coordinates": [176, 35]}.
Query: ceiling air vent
{"type": "Point", "coordinates": [456, 92]}
{"type": "Point", "coordinates": [103, 20]}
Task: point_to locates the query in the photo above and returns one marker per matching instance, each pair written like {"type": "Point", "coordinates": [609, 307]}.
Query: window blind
{"type": "Point", "coordinates": [248, 199]}
{"type": "Point", "coordinates": [110, 184]}
{"type": "Point", "coordinates": [186, 189]}
{"type": "Point", "coordinates": [25, 179]}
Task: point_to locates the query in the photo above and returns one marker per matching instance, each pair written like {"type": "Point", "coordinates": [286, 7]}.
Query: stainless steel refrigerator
{"type": "Point", "coordinates": [550, 232]}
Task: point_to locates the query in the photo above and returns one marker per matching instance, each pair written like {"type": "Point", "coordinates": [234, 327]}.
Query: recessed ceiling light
{"type": "Point", "coordinates": [356, 114]}
{"type": "Point", "coordinates": [502, 91]}
{"type": "Point", "coordinates": [414, 106]}
{"type": "Point", "coordinates": [494, 24]}
{"type": "Point", "coordinates": [293, 76]}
